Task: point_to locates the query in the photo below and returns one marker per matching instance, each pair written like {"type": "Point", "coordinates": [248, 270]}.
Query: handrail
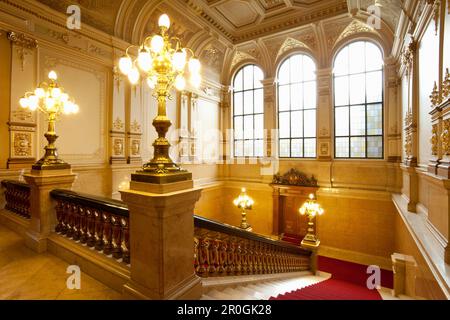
{"type": "Point", "coordinates": [120, 208]}
{"type": "Point", "coordinates": [17, 183]}
{"type": "Point", "coordinates": [204, 223]}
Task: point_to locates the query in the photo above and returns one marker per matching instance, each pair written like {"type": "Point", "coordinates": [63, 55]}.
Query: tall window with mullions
{"type": "Point", "coordinates": [297, 101]}
{"type": "Point", "coordinates": [248, 112]}
{"type": "Point", "coordinates": [358, 101]}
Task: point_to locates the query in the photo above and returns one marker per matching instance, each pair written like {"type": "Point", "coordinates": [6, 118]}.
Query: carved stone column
{"type": "Point", "coordinates": [270, 116]}
{"type": "Point", "coordinates": [226, 139]}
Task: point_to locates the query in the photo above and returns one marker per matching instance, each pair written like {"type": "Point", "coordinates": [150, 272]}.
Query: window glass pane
{"type": "Point", "coordinates": [248, 127]}
{"type": "Point", "coordinates": [297, 148]}
{"type": "Point", "coordinates": [357, 89]}
{"type": "Point", "coordinates": [358, 147]}
{"type": "Point", "coordinates": [284, 148]}
{"type": "Point", "coordinates": [259, 148]}
{"type": "Point", "coordinates": [310, 148]}
{"type": "Point", "coordinates": [356, 57]}
{"type": "Point", "coordinates": [259, 126]}
{"type": "Point", "coordinates": [239, 148]}
{"type": "Point", "coordinates": [374, 86]}
{"type": "Point", "coordinates": [341, 63]}
{"type": "Point", "coordinates": [357, 120]}
{"type": "Point", "coordinates": [238, 103]}
{"type": "Point", "coordinates": [283, 97]}
{"type": "Point", "coordinates": [341, 94]}
{"type": "Point", "coordinates": [296, 96]}
{"type": "Point", "coordinates": [374, 119]}
{"type": "Point", "coordinates": [237, 85]}
{"type": "Point", "coordinates": [248, 148]}
{"type": "Point", "coordinates": [341, 121]}
{"type": "Point", "coordinates": [259, 101]}
{"type": "Point", "coordinates": [310, 95]}
{"type": "Point", "coordinates": [310, 123]}
{"type": "Point", "coordinates": [258, 76]}
{"type": "Point", "coordinates": [284, 125]}
{"type": "Point", "coordinates": [342, 148]}
{"type": "Point", "coordinates": [296, 69]}
{"type": "Point", "coordinates": [248, 77]}
{"type": "Point", "coordinates": [297, 124]}
{"type": "Point", "coordinates": [374, 59]}
{"type": "Point", "coordinates": [248, 102]}
{"type": "Point", "coordinates": [374, 147]}
{"type": "Point", "coordinates": [309, 69]}
{"type": "Point", "coordinates": [283, 73]}
{"type": "Point", "coordinates": [238, 127]}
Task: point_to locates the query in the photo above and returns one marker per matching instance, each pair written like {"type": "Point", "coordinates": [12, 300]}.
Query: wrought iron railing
{"type": "Point", "coordinates": [17, 197]}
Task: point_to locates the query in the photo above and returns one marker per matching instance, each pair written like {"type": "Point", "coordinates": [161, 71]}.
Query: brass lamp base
{"type": "Point", "coordinates": [310, 241]}
{"type": "Point", "coordinates": [161, 177]}
{"type": "Point", "coordinates": [50, 165]}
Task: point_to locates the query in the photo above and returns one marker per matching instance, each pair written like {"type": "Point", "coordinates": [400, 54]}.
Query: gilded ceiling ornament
{"type": "Point", "coordinates": [434, 140]}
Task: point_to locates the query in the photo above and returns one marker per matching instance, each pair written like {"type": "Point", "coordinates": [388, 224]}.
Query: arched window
{"type": "Point", "coordinates": [248, 112]}
{"type": "Point", "coordinates": [297, 100]}
{"type": "Point", "coordinates": [358, 101]}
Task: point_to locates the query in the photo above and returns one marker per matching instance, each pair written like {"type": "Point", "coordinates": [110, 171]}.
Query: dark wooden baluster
{"type": "Point", "coordinates": [125, 240]}
{"type": "Point", "coordinates": [237, 258]}
{"type": "Point", "coordinates": [83, 224]}
{"type": "Point", "coordinates": [222, 257]}
{"type": "Point", "coordinates": [76, 222]}
{"type": "Point", "coordinates": [196, 255]}
{"type": "Point", "coordinates": [59, 216]}
{"type": "Point", "coordinates": [107, 233]}
{"type": "Point", "coordinates": [98, 235]}
{"type": "Point", "coordinates": [70, 220]}
{"type": "Point", "coordinates": [90, 222]}
{"type": "Point", "coordinates": [230, 256]}
{"type": "Point", "coordinates": [204, 257]}
{"type": "Point", "coordinates": [116, 237]}
{"type": "Point", "coordinates": [213, 256]}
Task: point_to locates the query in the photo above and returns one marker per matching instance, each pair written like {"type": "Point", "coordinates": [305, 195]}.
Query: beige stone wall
{"type": "Point", "coordinates": [425, 285]}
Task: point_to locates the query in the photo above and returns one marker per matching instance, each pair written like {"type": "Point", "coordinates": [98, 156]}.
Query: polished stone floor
{"type": "Point", "coordinates": [25, 274]}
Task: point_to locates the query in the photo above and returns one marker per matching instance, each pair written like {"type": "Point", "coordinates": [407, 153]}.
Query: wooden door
{"type": "Point", "coordinates": [291, 221]}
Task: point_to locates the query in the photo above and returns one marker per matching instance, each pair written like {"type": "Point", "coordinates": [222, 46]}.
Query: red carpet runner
{"type": "Point", "coordinates": [331, 290]}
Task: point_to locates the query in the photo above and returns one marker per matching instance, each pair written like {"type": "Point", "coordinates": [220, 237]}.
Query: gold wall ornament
{"type": "Point", "coordinates": [445, 137]}
{"type": "Point", "coordinates": [408, 144]}
{"type": "Point", "coordinates": [434, 140]}
{"type": "Point", "coordinates": [22, 144]}
{"type": "Point", "coordinates": [446, 85]}
{"type": "Point", "coordinates": [244, 202]}
{"type": "Point", "coordinates": [408, 56]}
{"type": "Point", "coordinates": [23, 45]}
{"type": "Point", "coordinates": [50, 98]}
{"type": "Point", "coordinates": [135, 147]}
{"type": "Point", "coordinates": [311, 209]}
{"type": "Point", "coordinates": [118, 147]}
{"type": "Point", "coordinates": [135, 127]}
{"type": "Point", "coordinates": [164, 63]}
{"type": "Point", "coordinates": [118, 124]}
{"type": "Point", "coordinates": [435, 97]}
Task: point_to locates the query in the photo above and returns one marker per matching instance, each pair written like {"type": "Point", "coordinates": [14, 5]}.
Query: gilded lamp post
{"type": "Point", "coordinates": [50, 99]}
{"type": "Point", "coordinates": [312, 209]}
{"type": "Point", "coordinates": [163, 62]}
{"type": "Point", "coordinates": [244, 202]}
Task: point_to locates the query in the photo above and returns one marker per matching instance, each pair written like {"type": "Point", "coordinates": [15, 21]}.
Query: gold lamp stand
{"type": "Point", "coordinates": [312, 209]}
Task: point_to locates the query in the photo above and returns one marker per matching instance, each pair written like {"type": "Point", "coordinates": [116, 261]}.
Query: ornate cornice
{"type": "Point", "coordinates": [22, 40]}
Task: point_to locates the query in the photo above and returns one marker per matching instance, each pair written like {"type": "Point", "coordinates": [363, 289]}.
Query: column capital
{"type": "Point", "coordinates": [267, 82]}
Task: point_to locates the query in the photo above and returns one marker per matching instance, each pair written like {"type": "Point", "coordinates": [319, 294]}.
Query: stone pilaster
{"type": "Point", "coordinates": [404, 268]}
{"type": "Point", "coordinates": [393, 112]}
{"type": "Point", "coordinates": [162, 229]}
{"type": "Point", "coordinates": [43, 217]}
{"type": "Point", "coordinates": [324, 107]}
{"type": "Point", "coordinates": [225, 124]}
{"type": "Point", "coordinates": [270, 116]}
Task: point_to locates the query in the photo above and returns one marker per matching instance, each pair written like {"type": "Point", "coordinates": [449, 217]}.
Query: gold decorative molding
{"type": "Point", "coordinates": [118, 146]}
{"type": "Point", "coordinates": [24, 44]}
{"type": "Point", "coordinates": [435, 97]}
{"type": "Point", "coordinates": [22, 144]}
{"type": "Point", "coordinates": [434, 140]}
{"type": "Point", "coordinates": [290, 44]}
{"type": "Point", "coordinates": [445, 137]}
{"type": "Point", "coordinates": [436, 13]}
{"type": "Point", "coordinates": [118, 124]}
{"type": "Point", "coordinates": [135, 127]}
{"type": "Point", "coordinates": [408, 56]}
{"type": "Point", "coordinates": [22, 115]}
{"type": "Point", "coordinates": [240, 56]}
{"type": "Point", "coordinates": [354, 27]}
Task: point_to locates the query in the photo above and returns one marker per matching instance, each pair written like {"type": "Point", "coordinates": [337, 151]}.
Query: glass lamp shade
{"type": "Point", "coordinates": [39, 92]}
{"type": "Point", "coordinates": [194, 65]}
{"type": "Point", "coordinates": [179, 60]}
{"type": "Point", "coordinates": [23, 102]}
{"type": "Point", "coordinates": [125, 65]}
{"type": "Point", "coordinates": [164, 21]}
{"type": "Point", "coordinates": [33, 102]}
{"type": "Point", "coordinates": [56, 93]}
{"type": "Point", "coordinates": [180, 83]}
{"type": "Point", "coordinates": [144, 60]}
{"type": "Point", "coordinates": [151, 82]}
{"type": "Point", "coordinates": [157, 44]}
{"type": "Point", "coordinates": [52, 75]}
{"type": "Point", "coordinates": [133, 76]}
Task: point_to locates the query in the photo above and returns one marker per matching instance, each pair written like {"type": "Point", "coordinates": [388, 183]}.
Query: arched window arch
{"type": "Point", "coordinates": [358, 101]}
{"type": "Point", "coordinates": [297, 102]}
{"type": "Point", "coordinates": [248, 112]}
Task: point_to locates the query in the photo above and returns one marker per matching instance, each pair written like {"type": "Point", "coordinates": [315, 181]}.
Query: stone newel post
{"type": "Point", "coordinates": [43, 217]}
{"type": "Point", "coordinates": [162, 242]}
